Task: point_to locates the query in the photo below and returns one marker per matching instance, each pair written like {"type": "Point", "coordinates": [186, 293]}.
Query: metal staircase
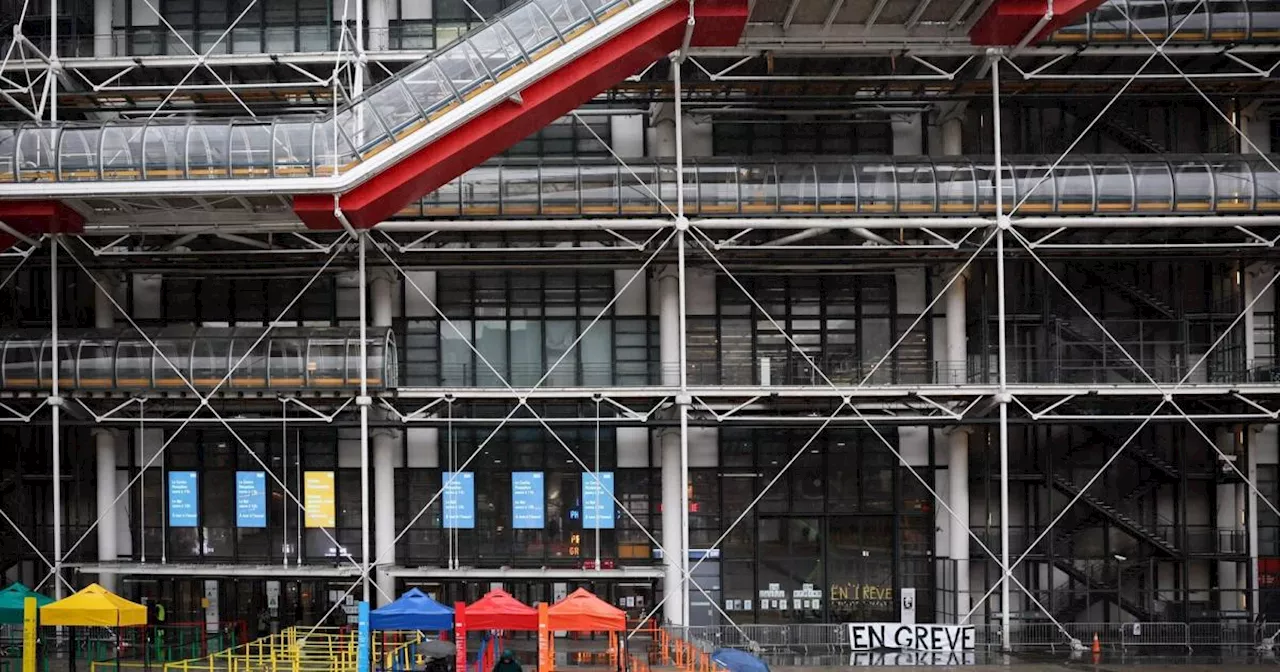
{"type": "Point", "coordinates": [1063, 327]}
{"type": "Point", "coordinates": [1114, 279]}
{"type": "Point", "coordinates": [1102, 588]}
{"type": "Point", "coordinates": [1128, 136]}
{"type": "Point", "coordinates": [1134, 528]}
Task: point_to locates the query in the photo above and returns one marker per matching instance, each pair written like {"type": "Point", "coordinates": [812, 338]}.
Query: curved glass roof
{"type": "Point", "coordinates": [287, 358]}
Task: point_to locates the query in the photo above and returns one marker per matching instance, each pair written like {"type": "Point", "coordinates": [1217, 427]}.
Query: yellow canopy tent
{"type": "Point", "coordinates": [93, 606]}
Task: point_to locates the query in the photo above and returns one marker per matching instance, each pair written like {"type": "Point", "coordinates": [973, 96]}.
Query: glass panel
{"type": "Point", "coordinates": [292, 147]}
{"type": "Point", "coordinates": [36, 158]}
{"type": "Point", "coordinates": [481, 188]}
{"type": "Point", "coordinates": [520, 193]}
{"type": "Point", "coordinates": [837, 191]}
{"type": "Point", "coordinates": [66, 365]}
{"type": "Point", "coordinates": [638, 190]}
{"type": "Point", "coordinates": [20, 362]}
{"type": "Point", "coordinates": [1193, 185]}
{"type": "Point", "coordinates": [599, 189]}
{"type": "Point", "coordinates": [957, 191]}
{"type": "Point", "coordinates": [1228, 19]}
{"type": "Point", "coordinates": [876, 191]}
{"type": "Point", "coordinates": [1149, 16]}
{"type": "Point", "coordinates": [162, 151]}
{"type": "Point", "coordinates": [1115, 187]}
{"type": "Point", "coordinates": [1074, 185]}
{"type": "Point", "coordinates": [171, 373]}
{"type": "Point", "coordinates": [497, 49]}
{"type": "Point", "coordinates": [461, 66]}
{"type": "Point", "coordinates": [1155, 186]}
{"type": "Point", "coordinates": [209, 361]}
{"type": "Point", "coordinates": [286, 365]}
{"type": "Point", "coordinates": [1267, 185]}
{"type": "Point", "coordinates": [1233, 185]}
{"type": "Point", "coordinates": [251, 150]}
{"type": "Point", "coordinates": [133, 364]}
{"type": "Point", "coordinates": [717, 189]}
{"type": "Point", "coordinates": [252, 370]}
{"type": "Point", "coordinates": [797, 188]}
{"type": "Point", "coordinates": [94, 364]}
{"type": "Point", "coordinates": [361, 125]}
{"type": "Point", "coordinates": [1033, 188]}
{"type": "Point", "coordinates": [569, 16]}
{"type": "Point", "coordinates": [122, 152]}
{"type": "Point", "coordinates": [398, 110]}
{"type": "Point", "coordinates": [1193, 17]}
{"type": "Point", "coordinates": [430, 88]}
{"type": "Point", "coordinates": [916, 188]}
{"type": "Point", "coordinates": [1264, 16]}
{"type": "Point", "coordinates": [325, 362]}
{"type": "Point", "coordinates": [207, 150]}
{"type": "Point", "coordinates": [79, 153]}
{"type": "Point", "coordinates": [329, 160]}
{"type": "Point", "coordinates": [532, 29]}
{"type": "Point", "coordinates": [756, 188]}
{"type": "Point", "coordinates": [560, 190]}
{"type": "Point", "coordinates": [8, 144]}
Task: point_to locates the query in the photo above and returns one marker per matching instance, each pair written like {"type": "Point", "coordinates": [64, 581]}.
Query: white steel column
{"type": "Point", "coordinates": [672, 535]}
{"type": "Point", "coordinates": [682, 399]}
{"type": "Point", "coordinates": [55, 404]}
{"type": "Point", "coordinates": [384, 445]}
{"type": "Point", "coordinates": [1003, 396]}
{"type": "Point", "coordinates": [958, 446]}
{"type": "Point", "coordinates": [102, 23]}
{"type": "Point", "coordinates": [952, 132]}
{"type": "Point", "coordinates": [379, 26]}
{"type": "Point", "coordinates": [908, 134]}
{"type": "Point", "coordinates": [105, 442]}
{"type": "Point", "coordinates": [1227, 518]}
{"type": "Point", "coordinates": [363, 402]}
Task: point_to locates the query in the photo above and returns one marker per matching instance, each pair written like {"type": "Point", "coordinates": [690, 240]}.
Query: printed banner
{"type": "Point", "coordinates": [873, 636]}
{"type": "Point", "coordinates": [528, 497]}
{"type": "Point", "coordinates": [597, 500]}
{"type": "Point", "coordinates": [184, 499]}
{"type": "Point", "coordinates": [251, 499]}
{"type": "Point", "coordinates": [318, 498]}
{"type": "Point", "coordinates": [459, 500]}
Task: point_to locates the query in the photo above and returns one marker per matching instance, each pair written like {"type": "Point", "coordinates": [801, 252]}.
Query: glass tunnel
{"type": "Point", "coordinates": [880, 186]}
{"type": "Point", "coordinates": [1214, 21]}
{"type": "Point", "coordinates": [301, 146]}
{"type": "Point", "coordinates": [288, 358]}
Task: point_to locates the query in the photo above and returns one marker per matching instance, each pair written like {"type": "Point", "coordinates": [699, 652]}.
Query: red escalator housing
{"type": "Point", "coordinates": [36, 218]}
{"type": "Point", "coordinates": [718, 23]}
{"type": "Point", "coordinates": [1008, 21]}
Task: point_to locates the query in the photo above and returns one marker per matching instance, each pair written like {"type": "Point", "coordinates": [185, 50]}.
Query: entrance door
{"type": "Point", "coordinates": [790, 560]}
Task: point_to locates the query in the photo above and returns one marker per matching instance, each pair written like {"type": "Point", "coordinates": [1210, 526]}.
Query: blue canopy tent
{"type": "Point", "coordinates": [415, 610]}
{"type": "Point", "coordinates": [734, 660]}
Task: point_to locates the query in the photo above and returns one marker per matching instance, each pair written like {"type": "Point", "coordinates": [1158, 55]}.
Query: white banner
{"type": "Point", "coordinates": [873, 636]}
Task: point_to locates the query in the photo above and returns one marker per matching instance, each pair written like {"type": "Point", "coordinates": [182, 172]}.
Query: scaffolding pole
{"type": "Point", "coordinates": [1002, 397]}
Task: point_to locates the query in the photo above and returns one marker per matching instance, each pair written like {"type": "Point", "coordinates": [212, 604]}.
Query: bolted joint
{"type": "Point", "coordinates": [56, 400]}
{"type": "Point", "coordinates": [1004, 222]}
{"type": "Point", "coordinates": [1004, 398]}
{"type": "Point", "coordinates": [364, 400]}
{"type": "Point", "coordinates": [682, 223]}
{"type": "Point", "coordinates": [684, 400]}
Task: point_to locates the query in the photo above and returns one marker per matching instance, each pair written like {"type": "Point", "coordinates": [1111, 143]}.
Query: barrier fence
{"type": "Point", "coordinates": [832, 638]}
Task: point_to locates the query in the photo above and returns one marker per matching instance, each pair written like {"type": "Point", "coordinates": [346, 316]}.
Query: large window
{"type": "Point", "coordinates": [773, 138]}
{"type": "Point", "coordinates": [845, 324]}
{"type": "Point", "coordinates": [524, 328]}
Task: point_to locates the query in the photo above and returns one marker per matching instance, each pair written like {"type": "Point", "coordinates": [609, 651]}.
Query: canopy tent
{"type": "Point", "coordinates": [13, 602]}
{"type": "Point", "coordinates": [415, 610]}
{"type": "Point", "coordinates": [583, 612]}
{"type": "Point", "coordinates": [93, 606]}
{"type": "Point", "coordinates": [497, 610]}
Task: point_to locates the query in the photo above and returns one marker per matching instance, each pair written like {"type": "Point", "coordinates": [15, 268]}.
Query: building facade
{"type": "Point", "coordinates": [871, 300]}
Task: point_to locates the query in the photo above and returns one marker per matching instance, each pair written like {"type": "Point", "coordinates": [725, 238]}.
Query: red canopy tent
{"type": "Point", "coordinates": [583, 612]}
{"type": "Point", "coordinates": [497, 610]}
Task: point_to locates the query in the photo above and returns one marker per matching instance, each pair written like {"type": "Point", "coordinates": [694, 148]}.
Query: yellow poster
{"type": "Point", "coordinates": [29, 635]}
{"type": "Point", "coordinates": [318, 499]}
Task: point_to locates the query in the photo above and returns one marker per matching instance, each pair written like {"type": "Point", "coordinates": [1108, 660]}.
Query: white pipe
{"type": "Point", "coordinates": [1003, 396]}
{"type": "Point", "coordinates": [810, 233]}
{"type": "Point", "coordinates": [384, 504]}
{"type": "Point", "coordinates": [682, 400]}
{"type": "Point", "coordinates": [364, 402]}
{"type": "Point", "coordinates": [55, 402]}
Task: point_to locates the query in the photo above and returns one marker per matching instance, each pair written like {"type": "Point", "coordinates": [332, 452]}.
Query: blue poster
{"type": "Point", "coordinates": [251, 499]}
{"type": "Point", "coordinates": [597, 500]}
{"type": "Point", "coordinates": [527, 498]}
{"type": "Point", "coordinates": [460, 500]}
{"type": "Point", "coordinates": [362, 637]}
{"type": "Point", "coordinates": [184, 497]}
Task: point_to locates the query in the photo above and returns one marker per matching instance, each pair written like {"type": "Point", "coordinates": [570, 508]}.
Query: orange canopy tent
{"type": "Point", "coordinates": [583, 612]}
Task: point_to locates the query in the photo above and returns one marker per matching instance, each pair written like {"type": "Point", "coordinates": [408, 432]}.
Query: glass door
{"type": "Point", "coordinates": [861, 571]}
{"type": "Point", "coordinates": [790, 567]}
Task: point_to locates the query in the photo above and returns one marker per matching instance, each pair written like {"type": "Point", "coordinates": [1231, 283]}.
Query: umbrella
{"type": "Point", "coordinates": [738, 661]}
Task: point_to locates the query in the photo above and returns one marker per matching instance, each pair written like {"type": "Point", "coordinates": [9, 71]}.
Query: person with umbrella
{"type": "Point", "coordinates": [507, 663]}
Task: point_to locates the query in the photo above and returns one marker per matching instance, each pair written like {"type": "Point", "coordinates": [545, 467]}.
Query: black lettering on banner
{"type": "Point", "coordinates": [876, 636]}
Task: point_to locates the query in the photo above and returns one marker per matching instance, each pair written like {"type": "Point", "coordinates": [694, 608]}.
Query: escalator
{"type": "Point", "coordinates": [403, 138]}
